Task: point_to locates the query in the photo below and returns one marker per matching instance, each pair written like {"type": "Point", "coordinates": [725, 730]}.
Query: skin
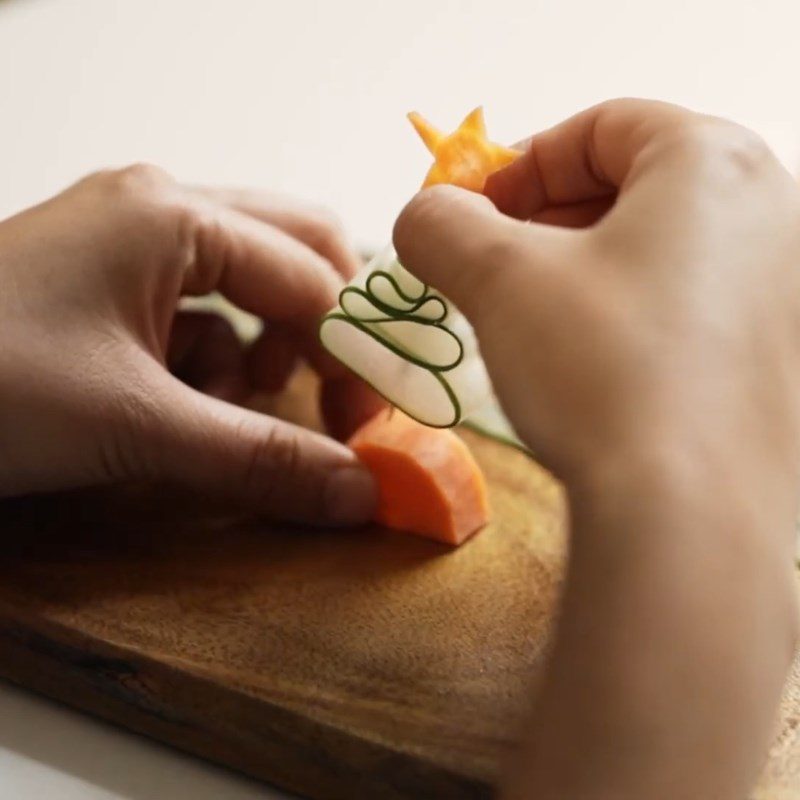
{"type": "Point", "coordinates": [634, 281]}
{"type": "Point", "coordinates": [635, 286]}
{"type": "Point", "coordinates": [91, 285]}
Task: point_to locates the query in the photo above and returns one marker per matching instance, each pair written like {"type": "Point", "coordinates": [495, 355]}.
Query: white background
{"type": "Point", "coordinates": [309, 98]}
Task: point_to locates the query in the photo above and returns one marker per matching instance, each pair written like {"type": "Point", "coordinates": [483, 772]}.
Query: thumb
{"type": "Point", "coordinates": [457, 242]}
{"type": "Point", "coordinates": [277, 469]}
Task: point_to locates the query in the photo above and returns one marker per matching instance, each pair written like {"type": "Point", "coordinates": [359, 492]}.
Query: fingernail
{"type": "Point", "coordinates": [350, 496]}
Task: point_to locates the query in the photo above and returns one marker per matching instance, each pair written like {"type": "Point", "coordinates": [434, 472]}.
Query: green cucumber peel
{"type": "Point", "coordinates": [400, 331]}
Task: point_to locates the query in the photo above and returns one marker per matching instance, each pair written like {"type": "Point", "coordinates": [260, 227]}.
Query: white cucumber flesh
{"type": "Point", "coordinates": [415, 348]}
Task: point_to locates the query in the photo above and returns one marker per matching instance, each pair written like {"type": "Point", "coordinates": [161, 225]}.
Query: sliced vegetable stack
{"type": "Point", "coordinates": [405, 339]}
{"type": "Point", "coordinates": [416, 349]}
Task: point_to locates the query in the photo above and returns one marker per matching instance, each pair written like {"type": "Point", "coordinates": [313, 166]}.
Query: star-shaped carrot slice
{"type": "Point", "coordinates": [466, 157]}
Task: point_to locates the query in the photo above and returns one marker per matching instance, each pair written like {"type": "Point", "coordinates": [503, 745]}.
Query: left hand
{"type": "Point", "coordinates": [205, 352]}
{"type": "Point", "coordinates": [91, 284]}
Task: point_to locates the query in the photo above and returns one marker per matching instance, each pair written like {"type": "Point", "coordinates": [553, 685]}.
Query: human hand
{"type": "Point", "coordinates": [91, 282]}
{"type": "Point", "coordinates": [648, 287]}
{"type": "Point", "coordinates": [635, 290]}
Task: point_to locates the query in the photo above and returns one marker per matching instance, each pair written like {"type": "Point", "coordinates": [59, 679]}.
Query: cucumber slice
{"type": "Point", "coordinates": [490, 421]}
{"type": "Point", "coordinates": [415, 348]}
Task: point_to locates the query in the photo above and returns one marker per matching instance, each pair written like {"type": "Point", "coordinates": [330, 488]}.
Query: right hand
{"type": "Point", "coordinates": [640, 319]}
{"type": "Point", "coordinates": [641, 288]}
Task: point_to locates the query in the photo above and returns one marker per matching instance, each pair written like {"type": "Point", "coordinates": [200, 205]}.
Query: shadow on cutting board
{"type": "Point", "coordinates": [167, 538]}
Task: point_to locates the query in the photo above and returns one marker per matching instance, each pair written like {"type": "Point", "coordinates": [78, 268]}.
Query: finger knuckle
{"type": "Point", "coordinates": [273, 464]}
{"type": "Point", "coordinates": [137, 181]}
{"type": "Point", "coordinates": [721, 148]}
{"type": "Point", "coordinates": [619, 104]}
{"type": "Point", "coordinates": [151, 200]}
{"type": "Point", "coordinates": [136, 186]}
{"type": "Point", "coordinates": [142, 178]}
{"type": "Point", "coordinates": [325, 230]}
{"type": "Point", "coordinates": [127, 442]}
{"type": "Point", "coordinates": [207, 243]}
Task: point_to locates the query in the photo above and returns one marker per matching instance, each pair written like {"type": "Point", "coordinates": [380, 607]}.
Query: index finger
{"type": "Point", "coordinates": [312, 225]}
{"type": "Point", "coordinates": [258, 267]}
{"type": "Point", "coordinates": [266, 272]}
{"type": "Point", "coordinates": [583, 160]}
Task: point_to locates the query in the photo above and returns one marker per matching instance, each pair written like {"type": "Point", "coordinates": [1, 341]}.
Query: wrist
{"type": "Point", "coordinates": [677, 590]}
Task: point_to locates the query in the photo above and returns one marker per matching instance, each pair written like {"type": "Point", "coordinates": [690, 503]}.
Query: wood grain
{"type": "Point", "coordinates": [338, 664]}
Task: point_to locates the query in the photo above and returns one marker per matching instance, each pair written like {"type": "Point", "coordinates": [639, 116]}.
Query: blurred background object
{"type": "Point", "coordinates": [309, 96]}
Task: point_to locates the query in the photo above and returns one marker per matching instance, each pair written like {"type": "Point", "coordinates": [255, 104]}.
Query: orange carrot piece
{"type": "Point", "coordinates": [428, 481]}
{"type": "Point", "coordinates": [465, 157]}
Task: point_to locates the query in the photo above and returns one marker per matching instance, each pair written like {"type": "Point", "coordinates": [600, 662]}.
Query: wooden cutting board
{"type": "Point", "coordinates": [339, 664]}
